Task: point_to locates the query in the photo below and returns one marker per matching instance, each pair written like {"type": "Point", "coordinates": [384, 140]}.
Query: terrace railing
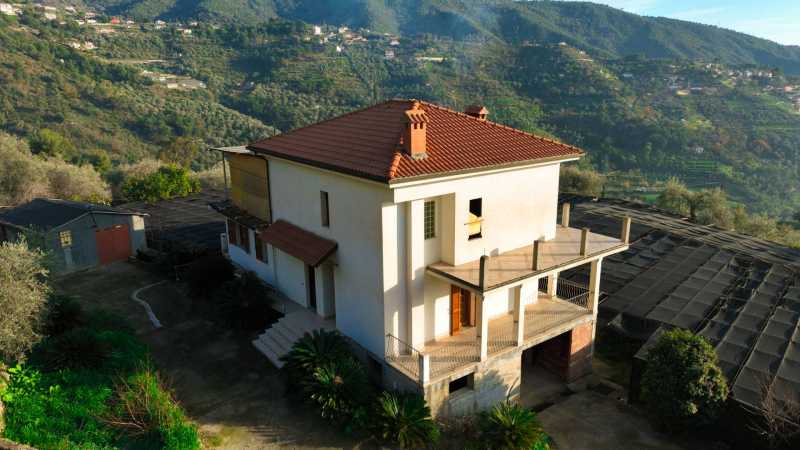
{"type": "Point", "coordinates": [403, 355]}
{"type": "Point", "coordinates": [570, 291]}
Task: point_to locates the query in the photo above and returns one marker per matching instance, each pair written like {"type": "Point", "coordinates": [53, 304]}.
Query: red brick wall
{"type": "Point", "coordinates": [570, 354]}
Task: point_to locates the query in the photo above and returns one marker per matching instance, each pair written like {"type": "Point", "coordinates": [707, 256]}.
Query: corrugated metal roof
{"type": "Point", "coordinates": [45, 214]}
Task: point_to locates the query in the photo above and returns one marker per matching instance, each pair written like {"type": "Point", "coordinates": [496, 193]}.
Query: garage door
{"type": "Point", "coordinates": [113, 244]}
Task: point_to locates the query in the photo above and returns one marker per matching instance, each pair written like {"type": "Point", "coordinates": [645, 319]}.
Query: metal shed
{"type": "Point", "coordinates": [78, 235]}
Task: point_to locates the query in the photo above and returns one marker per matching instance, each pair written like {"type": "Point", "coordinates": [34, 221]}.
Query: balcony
{"type": "Point", "coordinates": [570, 247]}
{"type": "Point", "coordinates": [546, 318]}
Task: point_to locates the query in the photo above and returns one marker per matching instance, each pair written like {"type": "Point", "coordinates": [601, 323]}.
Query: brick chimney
{"type": "Point", "coordinates": [414, 136]}
{"type": "Point", "coordinates": [478, 111]}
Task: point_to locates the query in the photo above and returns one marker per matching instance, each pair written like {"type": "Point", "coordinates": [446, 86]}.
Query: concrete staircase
{"type": "Point", "coordinates": [277, 340]}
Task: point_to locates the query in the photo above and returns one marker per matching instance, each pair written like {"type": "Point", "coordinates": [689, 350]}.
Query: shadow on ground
{"type": "Point", "coordinates": [232, 392]}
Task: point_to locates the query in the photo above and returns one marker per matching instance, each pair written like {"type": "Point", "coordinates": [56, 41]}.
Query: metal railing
{"type": "Point", "coordinates": [402, 355]}
{"type": "Point", "coordinates": [570, 291]}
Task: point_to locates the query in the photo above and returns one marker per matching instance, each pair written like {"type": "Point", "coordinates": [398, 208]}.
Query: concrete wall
{"type": "Point", "coordinates": [495, 380]}
{"type": "Point", "coordinates": [355, 211]}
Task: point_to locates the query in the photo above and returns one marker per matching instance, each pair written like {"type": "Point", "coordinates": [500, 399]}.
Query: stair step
{"type": "Point", "coordinates": [282, 345]}
{"type": "Point", "coordinates": [269, 353]}
{"type": "Point", "coordinates": [291, 335]}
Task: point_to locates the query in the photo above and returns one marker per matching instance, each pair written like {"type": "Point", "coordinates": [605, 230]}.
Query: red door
{"type": "Point", "coordinates": [113, 244]}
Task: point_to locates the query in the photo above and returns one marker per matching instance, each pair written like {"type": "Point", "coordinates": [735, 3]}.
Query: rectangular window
{"type": "Point", "coordinates": [244, 238]}
{"type": "Point", "coordinates": [465, 382]}
{"type": "Point", "coordinates": [325, 212]}
{"type": "Point", "coordinates": [233, 237]}
{"type": "Point", "coordinates": [475, 218]}
{"type": "Point", "coordinates": [66, 238]}
{"type": "Point", "coordinates": [430, 219]}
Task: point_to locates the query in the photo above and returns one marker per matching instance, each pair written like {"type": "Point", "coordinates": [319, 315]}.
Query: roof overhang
{"type": "Point", "coordinates": [304, 245]}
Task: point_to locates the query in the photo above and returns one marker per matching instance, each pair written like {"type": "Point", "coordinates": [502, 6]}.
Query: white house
{"type": "Point", "coordinates": [427, 236]}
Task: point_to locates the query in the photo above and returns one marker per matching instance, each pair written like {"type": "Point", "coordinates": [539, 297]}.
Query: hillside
{"type": "Point", "coordinates": [597, 28]}
{"type": "Point", "coordinates": [642, 120]}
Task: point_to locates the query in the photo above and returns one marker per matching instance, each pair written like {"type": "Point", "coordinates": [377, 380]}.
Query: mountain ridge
{"type": "Point", "coordinates": [592, 27]}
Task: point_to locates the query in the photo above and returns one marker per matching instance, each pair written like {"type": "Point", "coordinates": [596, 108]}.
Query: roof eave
{"type": "Point", "coordinates": [394, 182]}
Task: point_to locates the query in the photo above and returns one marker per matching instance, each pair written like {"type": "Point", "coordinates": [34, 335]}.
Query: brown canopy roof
{"type": "Point", "coordinates": [302, 244]}
{"type": "Point", "coordinates": [367, 143]}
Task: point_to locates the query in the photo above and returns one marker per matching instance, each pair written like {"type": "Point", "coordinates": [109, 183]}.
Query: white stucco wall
{"type": "Point", "coordinates": [355, 224]}
{"type": "Point", "coordinates": [249, 261]}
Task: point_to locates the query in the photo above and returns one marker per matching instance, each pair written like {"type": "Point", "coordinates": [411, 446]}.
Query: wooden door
{"type": "Point", "coordinates": [467, 309]}
{"type": "Point", "coordinates": [455, 310]}
{"type": "Point", "coordinates": [113, 244]}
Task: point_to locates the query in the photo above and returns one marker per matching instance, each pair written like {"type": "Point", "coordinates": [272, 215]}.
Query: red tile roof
{"type": "Point", "coordinates": [367, 143]}
{"type": "Point", "coordinates": [303, 245]}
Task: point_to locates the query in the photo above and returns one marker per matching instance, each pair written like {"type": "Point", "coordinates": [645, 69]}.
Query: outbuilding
{"type": "Point", "coordinates": [78, 235]}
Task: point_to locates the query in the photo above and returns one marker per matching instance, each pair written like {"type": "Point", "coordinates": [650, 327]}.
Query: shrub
{"type": "Point", "coordinates": [207, 274]}
{"type": "Point", "coordinates": [23, 298]}
{"type": "Point", "coordinates": [166, 183]}
{"type": "Point", "coordinates": [405, 420]}
{"type": "Point", "coordinates": [74, 349]}
{"type": "Point", "coordinates": [57, 410]}
{"type": "Point", "coordinates": [682, 384]}
{"type": "Point", "coordinates": [64, 314]}
{"type": "Point", "coordinates": [510, 426]}
{"type": "Point", "coordinates": [337, 388]}
{"type": "Point", "coordinates": [575, 180]}
{"type": "Point", "coordinates": [147, 414]}
{"type": "Point", "coordinates": [243, 303]}
{"type": "Point", "coordinates": [312, 351]}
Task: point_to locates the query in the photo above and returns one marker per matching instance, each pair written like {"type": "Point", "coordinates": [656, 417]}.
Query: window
{"type": "Point", "coordinates": [323, 201]}
{"type": "Point", "coordinates": [233, 235]}
{"type": "Point", "coordinates": [66, 238]}
{"type": "Point", "coordinates": [261, 251]}
{"type": "Point", "coordinates": [465, 382]}
{"type": "Point", "coordinates": [244, 238]}
{"type": "Point", "coordinates": [475, 218]}
{"type": "Point", "coordinates": [430, 219]}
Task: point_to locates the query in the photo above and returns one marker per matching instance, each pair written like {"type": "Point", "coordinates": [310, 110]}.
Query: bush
{"type": "Point", "coordinates": [405, 420]}
{"type": "Point", "coordinates": [147, 414]}
{"type": "Point", "coordinates": [80, 348]}
{"type": "Point", "coordinates": [207, 274]}
{"type": "Point", "coordinates": [682, 384]}
{"type": "Point", "coordinates": [510, 426]}
{"type": "Point", "coordinates": [166, 183]}
{"type": "Point", "coordinates": [243, 304]}
{"type": "Point", "coordinates": [23, 299]}
{"type": "Point", "coordinates": [313, 351]}
{"type": "Point", "coordinates": [59, 410]}
{"type": "Point", "coordinates": [337, 388]}
{"type": "Point", "coordinates": [64, 314]}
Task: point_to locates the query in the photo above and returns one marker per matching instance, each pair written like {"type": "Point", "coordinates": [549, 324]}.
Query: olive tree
{"type": "Point", "coordinates": [23, 298]}
{"type": "Point", "coordinates": [682, 384]}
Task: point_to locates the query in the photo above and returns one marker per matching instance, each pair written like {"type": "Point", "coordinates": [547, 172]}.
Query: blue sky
{"type": "Point", "coordinates": [777, 20]}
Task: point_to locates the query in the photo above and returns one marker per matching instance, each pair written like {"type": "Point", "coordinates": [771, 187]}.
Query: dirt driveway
{"type": "Point", "coordinates": [226, 386]}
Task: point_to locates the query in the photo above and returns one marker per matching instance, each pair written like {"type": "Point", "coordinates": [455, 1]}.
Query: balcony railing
{"type": "Point", "coordinates": [445, 355]}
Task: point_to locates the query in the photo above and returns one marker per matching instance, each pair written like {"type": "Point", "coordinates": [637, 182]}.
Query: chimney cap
{"type": "Point", "coordinates": [416, 114]}
{"type": "Point", "coordinates": [478, 111]}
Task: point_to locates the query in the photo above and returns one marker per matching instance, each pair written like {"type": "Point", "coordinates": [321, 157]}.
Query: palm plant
{"type": "Point", "coordinates": [405, 419]}
{"type": "Point", "coordinates": [337, 388]}
{"type": "Point", "coordinates": [313, 351]}
{"type": "Point", "coordinates": [509, 426]}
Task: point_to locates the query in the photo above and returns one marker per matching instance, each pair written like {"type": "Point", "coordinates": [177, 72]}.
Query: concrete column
{"type": "Point", "coordinates": [519, 316]}
{"type": "Point", "coordinates": [565, 215]}
{"type": "Point", "coordinates": [415, 272]}
{"type": "Point", "coordinates": [424, 368]}
{"type": "Point", "coordinates": [625, 233]}
{"type": "Point", "coordinates": [594, 290]}
{"type": "Point", "coordinates": [483, 329]}
{"type": "Point", "coordinates": [552, 282]}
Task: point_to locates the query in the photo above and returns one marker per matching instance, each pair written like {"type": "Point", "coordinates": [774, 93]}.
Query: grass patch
{"type": "Point", "coordinates": [93, 387]}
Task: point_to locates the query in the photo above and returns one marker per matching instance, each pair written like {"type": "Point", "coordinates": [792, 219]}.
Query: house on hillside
{"type": "Point", "coordinates": [427, 236]}
{"type": "Point", "coordinates": [79, 235]}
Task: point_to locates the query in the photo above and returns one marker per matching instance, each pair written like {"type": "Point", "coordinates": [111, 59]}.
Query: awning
{"type": "Point", "coordinates": [302, 244]}
{"type": "Point", "coordinates": [238, 215]}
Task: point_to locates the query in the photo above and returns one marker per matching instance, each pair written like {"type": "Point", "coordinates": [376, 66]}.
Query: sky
{"type": "Point", "coordinates": [776, 20]}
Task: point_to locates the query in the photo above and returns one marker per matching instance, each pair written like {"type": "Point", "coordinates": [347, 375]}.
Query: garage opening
{"type": "Point", "coordinates": [544, 370]}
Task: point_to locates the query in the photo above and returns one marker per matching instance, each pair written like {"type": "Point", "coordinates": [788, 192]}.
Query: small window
{"type": "Point", "coordinates": [244, 238]}
{"type": "Point", "coordinates": [233, 236]}
{"type": "Point", "coordinates": [475, 224]}
{"type": "Point", "coordinates": [261, 251]}
{"type": "Point", "coordinates": [465, 382]}
{"type": "Point", "coordinates": [66, 238]}
{"type": "Point", "coordinates": [323, 200]}
{"type": "Point", "coordinates": [430, 219]}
